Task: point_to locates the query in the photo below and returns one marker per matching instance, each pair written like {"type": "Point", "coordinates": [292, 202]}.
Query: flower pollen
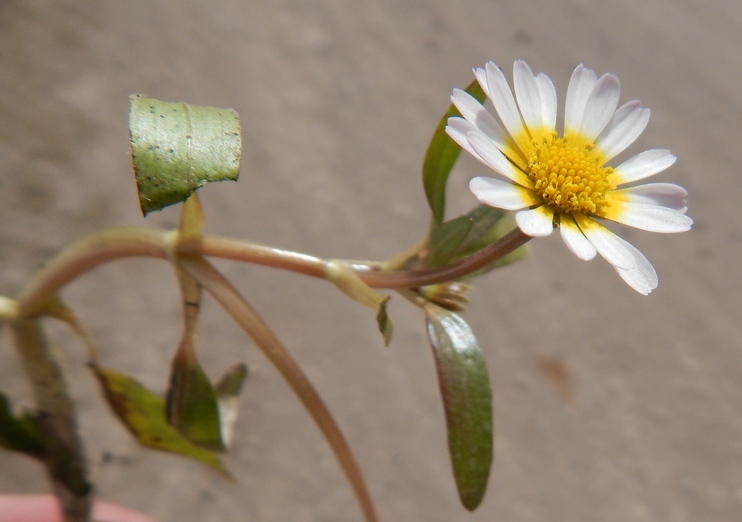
{"type": "Point", "coordinates": [568, 175]}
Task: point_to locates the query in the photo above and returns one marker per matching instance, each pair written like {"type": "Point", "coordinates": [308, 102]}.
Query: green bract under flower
{"type": "Point", "coordinates": [562, 181]}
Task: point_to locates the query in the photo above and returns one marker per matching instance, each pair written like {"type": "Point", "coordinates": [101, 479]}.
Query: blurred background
{"type": "Point", "coordinates": [609, 405]}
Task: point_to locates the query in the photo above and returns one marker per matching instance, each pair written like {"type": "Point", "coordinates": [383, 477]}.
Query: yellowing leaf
{"type": "Point", "coordinates": [143, 414]}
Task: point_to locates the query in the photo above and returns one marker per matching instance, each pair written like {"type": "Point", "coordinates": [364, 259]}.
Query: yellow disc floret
{"type": "Point", "coordinates": [568, 175]}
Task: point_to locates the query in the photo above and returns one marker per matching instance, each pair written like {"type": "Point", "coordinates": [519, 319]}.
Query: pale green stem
{"type": "Point", "coordinates": [249, 320]}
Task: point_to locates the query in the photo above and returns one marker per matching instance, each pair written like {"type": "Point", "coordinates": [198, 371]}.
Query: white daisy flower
{"type": "Point", "coordinates": [562, 181]}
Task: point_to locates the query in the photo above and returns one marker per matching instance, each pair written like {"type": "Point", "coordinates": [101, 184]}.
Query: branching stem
{"type": "Point", "coordinates": [123, 242]}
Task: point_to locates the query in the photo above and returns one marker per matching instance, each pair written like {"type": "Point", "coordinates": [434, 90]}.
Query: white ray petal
{"type": "Point", "coordinates": [475, 113]}
{"type": "Point", "coordinates": [492, 156]}
{"type": "Point", "coordinates": [536, 222]}
{"type": "Point", "coordinates": [501, 194]}
{"type": "Point", "coordinates": [625, 127]}
{"type": "Point", "coordinates": [642, 277]}
{"type": "Point", "coordinates": [502, 98]}
{"type": "Point", "coordinates": [548, 101]}
{"type": "Point", "coordinates": [481, 77]}
{"type": "Point", "coordinates": [575, 239]}
{"type": "Point", "coordinates": [644, 165]}
{"type": "Point", "coordinates": [663, 194]}
{"type": "Point", "coordinates": [457, 129]}
{"type": "Point", "coordinates": [606, 243]}
{"type": "Point", "coordinates": [580, 85]}
{"type": "Point", "coordinates": [528, 95]}
{"type": "Point", "coordinates": [653, 218]}
{"type": "Point", "coordinates": [600, 105]}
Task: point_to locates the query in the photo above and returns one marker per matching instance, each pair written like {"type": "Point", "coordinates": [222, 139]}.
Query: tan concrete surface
{"type": "Point", "coordinates": [338, 100]}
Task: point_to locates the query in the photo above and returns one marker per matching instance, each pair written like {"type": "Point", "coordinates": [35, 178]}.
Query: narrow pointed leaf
{"type": "Point", "coordinates": [446, 240]}
{"type": "Point", "coordinates": [20, 432]}
{"type": "Point", "coordinates": [227, 395]}
{"type": "Point", "coordinates": [440, 157]}
{"type": "Point", "coordinates": [352, 285]}
{"type": "Point", "coordinates": [177, 148]}
{"type": "Point", "coordinates": [467, 400]}
{"type": "Point", "coordinates": [462, 236]}
{"type": "Point", "coordinates": [143, 414]}
{"type": "Point", "coordinates": [192, 406]}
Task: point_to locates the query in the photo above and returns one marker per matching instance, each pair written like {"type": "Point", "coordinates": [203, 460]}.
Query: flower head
{"type": "Point", "coordinates": [563, 181]}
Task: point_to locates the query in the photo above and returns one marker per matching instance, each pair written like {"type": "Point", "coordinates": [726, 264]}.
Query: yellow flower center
{"type": "Point", "coordinates": [568, 175]}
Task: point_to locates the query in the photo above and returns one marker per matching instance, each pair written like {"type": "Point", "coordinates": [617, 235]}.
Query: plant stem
{"type": "Point", "coordinates": [64, 455]}
{"type": "Point", "coordinates": [122, 242]}
{"type": "Point", "coordinates": [241, 311]}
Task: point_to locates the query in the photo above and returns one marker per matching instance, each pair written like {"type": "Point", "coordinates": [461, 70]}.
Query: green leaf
{"type": "Point", "coordinates": [467, 400]}
{"type": "Point", "coordinates": [20, 433]}
{"type": "Point", "coordinates": [143, 414]}
{"type": "Point", "coordinates": [440, 157]}
{"type": "Point", "coordinates": [464, 235]}
{"type": "Point", "coordinates": [177, 148]}
{"type": "Point", "coordinates": [446, 240]}
{"type": "Point", "coordinates": [227, 391]}
{"type": "Point", "coordinates": [192, 406]}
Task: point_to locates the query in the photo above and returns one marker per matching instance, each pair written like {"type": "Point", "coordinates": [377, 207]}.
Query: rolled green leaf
{"type": "Point", "coordinates": [467, 400]}
{"type": "Point", "coordinates": [440, 157]}
{"type": "Point", "coordinates": [177, 148]}
{"type": "Point", "coordinates": [143, 414]}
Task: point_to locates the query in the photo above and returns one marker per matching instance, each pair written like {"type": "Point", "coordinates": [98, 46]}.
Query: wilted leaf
{"type": "Point", "coordinates": [384, 322]}
{"type": "Point", "coordinates": [227, 391]}
{"type": "Point", "coordinates": [19, 433]}
{"type": "Point", "coordinates": [352, 285]}
{"type": "Point", "coordinates": [143, 414]}
{"type": "Point", "coordinates": [467, 400]}
{"type": "Point", "coordinates": [440, 157]}
{"type": "Point", "coordinates": [177, 148]}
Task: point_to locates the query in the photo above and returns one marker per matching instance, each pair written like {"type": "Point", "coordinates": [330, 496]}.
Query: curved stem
{"type": "Point", "coordinates": [84, 255]}
{"type": "Point", "coordinates": [122, 242]}
{"type": "Point", "coordinates": [245, 316]}
{"type": "Point", "coordinates": [461, 268]}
